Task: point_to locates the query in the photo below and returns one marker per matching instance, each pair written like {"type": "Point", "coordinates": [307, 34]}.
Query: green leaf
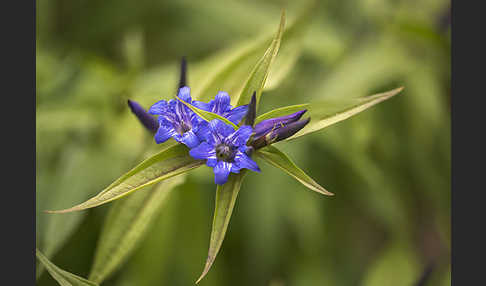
{"type": "Point", "coordinates": [167, 163]}
{"type": "Point", "coordinates": [126, 225]}
{"type": "Point", "coordinates": [278, 159]}
{"type": "Point", "coordinates": [225, 70]}
{"type": "Point", "coordinates": [207, 115]}
{"type": "Point", "coordinates": [225, 202]}
{"type": "Point", "coordinates": [330, 111]}
{"type": "Point", "coordinates": [259, 74]}
{"type": "Point", "coordinates": [63, 277]}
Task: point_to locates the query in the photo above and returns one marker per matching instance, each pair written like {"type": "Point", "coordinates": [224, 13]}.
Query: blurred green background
{"type": "Point", "coordinates": [389, 166]}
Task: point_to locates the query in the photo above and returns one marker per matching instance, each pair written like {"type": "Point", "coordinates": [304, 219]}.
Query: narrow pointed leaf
{"type": "Point", "coordinates": [330, 111]}
{"type": "Point", "coordinates": [225, 70]}
{"type": "Point", "coordinates": [207, 115]}
{"type": "Point", "coordinates": [259, 74]}
{"type": "Point", "coordinates": [64, 278]}
{"type": "Point", "coordinates": [167, 163]}
{"type": "Point", "coordinates": [280, 160]}
{"type": "Point", "coordinates": [225, 202]}
{"type": "Point", "coordinates": [125, 226]}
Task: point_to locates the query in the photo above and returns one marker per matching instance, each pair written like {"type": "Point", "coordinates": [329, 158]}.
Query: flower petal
{"type": "Point", "coordinates": [190, 139]}
{"type": "Point", "coordinates": [202, 105]}
{"type": "Point", "coordinates": [159, 107]}
{"type": "Point", "coordinates": [164, 133]}
{"type": "Point", "coordinates": [243, 161]}
{"type": "Point", "coordinates": [239, 137]}
{"type": "Point", "coordinates": [220, 129]}
{"type": "Point", "coordinates": [221, 103]}
{"type": "Point", "coordinates": [236, 114]}
{"type": "Point", "coordinates": [203, 151]}
{"type": "Point", "coordinates": [185, 94]}
{"type": "Point", "coordinates": [221, 172]}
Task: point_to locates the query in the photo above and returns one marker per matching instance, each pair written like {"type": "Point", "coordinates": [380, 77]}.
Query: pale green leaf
{"type": "Point", "coordinates": [167, 163]}
{"type": "Point", "coordinates": [259, 74]}
{"type": "Point", "coordinates": [329, 111]}
{"type": "Point", "coordinates": [224, 204]}
{"type": "Point", "coordinates": [227, 70]}
{"type": "Point", "coordinates": [207, 115]}
{"type": "Point", "coordinates": [63, 277]}
{"type": "Point", "coordinates": [280, 160]}
{"type": "Point", "coordinates": [126, 225]}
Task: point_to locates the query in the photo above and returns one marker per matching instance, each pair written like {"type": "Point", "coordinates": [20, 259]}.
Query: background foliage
{"type": "Point", "coordinates": [389, 167]}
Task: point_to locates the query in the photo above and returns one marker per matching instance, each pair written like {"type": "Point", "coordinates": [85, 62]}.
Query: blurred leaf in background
{"type": "Point", "coordinates": [389, 167]}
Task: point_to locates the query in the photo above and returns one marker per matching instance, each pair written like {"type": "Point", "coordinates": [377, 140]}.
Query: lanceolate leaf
{"type": "Point", "coordinates": [226, 70]}
{"type": "Point", "coordinates": [126, 224]}
{"type": "Point", "coordinates": [167, 163]}
{"type": "Point", "coordinates": [329, 111]}
{"type": "Point", "coordinates": [225, 201]}
{"type": "Point", "coordinates": [259, 74]}
{"type": "Point", "coordinates": [63, 277]}
{"type": "Point", "coordinates": [207, 115]}
{"type": "Point", "coordinates": [278, 159]}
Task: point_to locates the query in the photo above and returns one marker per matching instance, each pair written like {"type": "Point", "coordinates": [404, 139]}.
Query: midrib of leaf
{"type": "Point", "coordinates": [361, 104]}
{"type": "Point", "coordinates": [121, 188]}
{"type": "Point", "coordinates": [259, 74]}
{"type": "Point", "coordinates": [224, 203]}
{"type": "Point", "coordinates": [277, 158]}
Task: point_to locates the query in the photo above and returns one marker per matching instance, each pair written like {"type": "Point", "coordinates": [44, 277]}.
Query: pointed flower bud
{"type": "Point", "coordinates": [146, 119]}
{"type": "Point", "coordinates": [251, 114]}
{"type": "Point", "coordinates": [183, 75]}
{"type": "Point", "coordinates": [276, 129]}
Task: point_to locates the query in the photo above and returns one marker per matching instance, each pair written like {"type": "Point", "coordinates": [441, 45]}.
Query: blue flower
{"type": "Point", "coordinates": [224, 149]}
{"type": "Point", "coordinates": [221, 106]}
{"type": "Point", "coordinates": [176, 120]}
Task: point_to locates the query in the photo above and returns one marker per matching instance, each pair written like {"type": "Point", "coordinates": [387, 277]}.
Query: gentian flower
{"type": "Point", "coordinates": [176, 120]}
{"type": "Point", "coordinates": [221, 106]}
{"type": "Point", "coordinates": [276, 129]}
{"type": "Point", "coordinates": [224, 149]}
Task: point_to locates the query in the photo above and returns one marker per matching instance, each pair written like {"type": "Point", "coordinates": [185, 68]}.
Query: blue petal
{"type": "Point", "coordinates": [221, 103]}
{"type": "Point", "coordinates": [164, 133]}
{"type": "Point", "coordinates": [202, 105]}
{"type": "Point", "coordinates": [211, 162]}
{"type": "Point", "coordinates": [220, 129]}
{"type": "Point", "coordinates": [236, 114]}
{"type": "Point", "coordinates": [243, 161]}
{"type": "Point", "coordinates": [190, 139]}
{"type": "Point", "coordinates": [240, 136]}
{"type": "Point", "coordinates": [159, 107]}
{"type": "Point", "coordinates": [204, 133]}
{"type": "Point", "coordinates": [203, 151]}
{"type": "Point", "coordinates": [185, 94]}
{"type": "Point", "coordinates": [221, 172]}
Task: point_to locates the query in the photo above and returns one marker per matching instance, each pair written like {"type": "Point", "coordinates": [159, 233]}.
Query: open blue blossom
{"type": "Point", "coordinates": [221, 106]}
{"type": "Point", "coordinates": [224, 149]}
{"type": "Point", "coordinates": [176, 120]}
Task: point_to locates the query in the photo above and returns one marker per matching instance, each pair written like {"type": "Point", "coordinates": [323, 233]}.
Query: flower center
{"type": "Point", "coordinates": [224, 153]}
{"type": "Point", "coordinates": [183, 127]}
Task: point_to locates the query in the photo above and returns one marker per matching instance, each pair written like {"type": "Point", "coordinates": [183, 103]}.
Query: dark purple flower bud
{"type": "Point", "coordinates": [146, 119]}
{"type": "Point", "coordinates": [251, 113]}
{"type": "Point", "coordinates": [282, 128]}
{"type": "Point", "coordinates": [267, 125]}
{"type": "Point", "coordinates": [290, 129]}
{"type": "Point", "coordinates": [182, 78]}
